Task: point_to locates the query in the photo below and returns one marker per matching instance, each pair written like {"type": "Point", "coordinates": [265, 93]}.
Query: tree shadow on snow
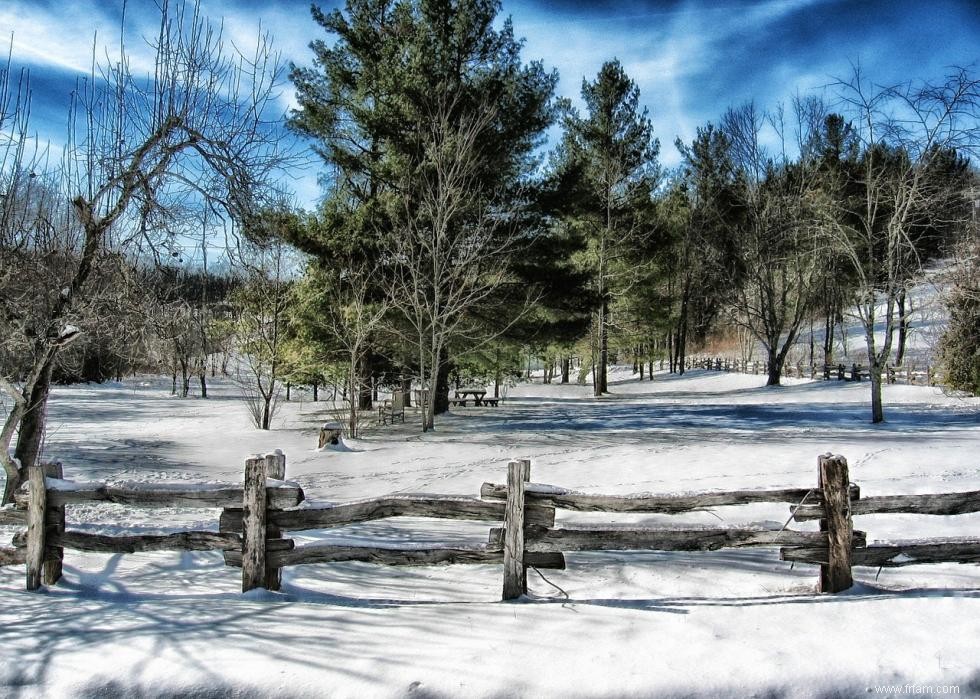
{"type": "Point", "coordinates": [589, 422]}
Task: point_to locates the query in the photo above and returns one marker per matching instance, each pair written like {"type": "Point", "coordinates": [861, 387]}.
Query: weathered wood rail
{"type": "Point", "coordinates": [934, 504]}
{"type": "Point", "coordinates": [257, 514]}
{"type": "Point", "coordinates": [253, 519]}
{"type": "Point", "coordinates": [888, 554]}
{"type": "Point", "coordinates": [41, 506]}
{"type": "Point", "coordinates": [836, 547]}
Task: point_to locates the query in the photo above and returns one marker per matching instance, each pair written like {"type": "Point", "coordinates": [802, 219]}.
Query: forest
{"type": "Point", "coordinates": [472, 221]}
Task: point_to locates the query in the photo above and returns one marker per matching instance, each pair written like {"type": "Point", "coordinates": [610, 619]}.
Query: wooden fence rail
{"type": "Point", "coordinates": [642, 503]}
{"type": "Point", "coordinates": [936, 504]}
{"type": "Point", "coordinates": [909, 374]}
{"type": "Point", "coordinates": [433, 506]}
{"type": "Point", "coordinates": [257, 515]}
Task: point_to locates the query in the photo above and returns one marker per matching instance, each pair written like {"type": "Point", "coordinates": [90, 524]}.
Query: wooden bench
{"type": "Point", "coordinates": [457, 402]}
{"type": "Point", "coordinates": [492, 402]}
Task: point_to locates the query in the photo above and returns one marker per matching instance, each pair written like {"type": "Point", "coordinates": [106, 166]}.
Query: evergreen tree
{"type": "Point", "coordinates": [960, 344]}
{"type": "Point", "coordinates": [429, 123]}
{"type": "Point", "coordinates": [614, 154]}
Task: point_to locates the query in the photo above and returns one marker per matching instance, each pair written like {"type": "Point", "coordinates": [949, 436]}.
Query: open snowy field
{"type": "Point", "coordinates": [730, 623]}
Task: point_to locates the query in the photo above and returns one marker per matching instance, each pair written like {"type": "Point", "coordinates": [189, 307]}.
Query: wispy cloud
{"type": "Point", "coordinates": [67, 35]}
{"type": "Point", "coordinates": [691, 58]}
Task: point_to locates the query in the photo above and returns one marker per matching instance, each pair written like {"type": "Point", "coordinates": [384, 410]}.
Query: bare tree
{"type": "Point", "coordinates": [196, 129]}
{"type": "Point", "coordinates": [260, 329]}
{"type": "Point", "coordinates": [451, 250]}
{"type": "Point", "coordinates": [776, 252]}
{"type": "Point", "coordinates": [897, 192]}
{"type": "Point", "coordinates": [341, 309]}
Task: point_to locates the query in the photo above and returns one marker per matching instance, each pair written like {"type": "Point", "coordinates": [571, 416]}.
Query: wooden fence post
{"type": "Point", "coordinates": [515, 572]}
{"type": "Point", "coordinates": [253, 524]}
{"type": "Point", "coordinates": [275, 467]}
{"type": "Point", "coordinates": [55, 555]}
{"type": "Point", "coordinates": [834, 483]}
{"type": "Point", "coordinates": [36, 524]}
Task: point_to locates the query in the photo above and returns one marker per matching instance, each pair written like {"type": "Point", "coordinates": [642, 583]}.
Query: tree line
{"type": "Point", "coordinates": [461, 243]}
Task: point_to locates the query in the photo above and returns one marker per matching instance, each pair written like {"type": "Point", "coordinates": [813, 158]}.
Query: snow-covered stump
{"type": "Point", "coordinates": [55, 555]}
{"type": "Point", "coordinates": [515, 572]}
{"type": "Point", "coordinates": [834, 483]}
{"type": "Point", "coordinates": [36, 510]}
{"type": "Point", "coordinates": [254, 524]}
{"type": "Point", "coordinates": [275, 467]}
{"type": "Point", "coordinates": [330, 434]}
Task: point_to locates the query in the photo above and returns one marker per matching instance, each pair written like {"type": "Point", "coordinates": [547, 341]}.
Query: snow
{"type": "Point", "coordinates": [723, 623]}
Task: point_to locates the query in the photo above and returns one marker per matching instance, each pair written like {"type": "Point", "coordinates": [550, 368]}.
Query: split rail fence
{"type": "Point", "coordinates": [257, 514]}
{"type": "Point", "coordinates": [911, 374]}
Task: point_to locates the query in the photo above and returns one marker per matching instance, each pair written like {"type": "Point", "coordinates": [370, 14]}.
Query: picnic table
{"type": "Point", "coordinates": [477, 394]}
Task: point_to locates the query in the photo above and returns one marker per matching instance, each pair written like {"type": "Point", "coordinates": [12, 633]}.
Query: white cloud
{"type": "Point", "coordinates": [65, 39]}
{"type": "Point", "coordinates": [664, 52]}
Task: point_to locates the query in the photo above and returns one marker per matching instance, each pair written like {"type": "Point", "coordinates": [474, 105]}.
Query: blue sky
{"type": "Point", "coordinates": [691, 60]}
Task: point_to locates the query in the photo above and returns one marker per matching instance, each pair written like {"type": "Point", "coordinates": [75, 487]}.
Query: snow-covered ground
{"type": "Point", "coordinates": [720, 624]}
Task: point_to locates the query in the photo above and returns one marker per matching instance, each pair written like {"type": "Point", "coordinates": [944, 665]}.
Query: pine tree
{"type": "Point", "coordinates": [429, 123]}
{"type": "Point", "coordinates": [614, 153]}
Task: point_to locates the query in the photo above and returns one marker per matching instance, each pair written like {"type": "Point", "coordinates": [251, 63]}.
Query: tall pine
{"type": "Point", "coordinates": [612, 150]}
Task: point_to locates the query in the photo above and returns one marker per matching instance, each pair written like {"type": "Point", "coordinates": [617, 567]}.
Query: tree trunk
{"type": "Point", "coordinates": [204, 381]}
{"type": "Point", "coordinates": [31, 434]}
{"type": "Point", "coordinates": [680, 348]}
{"type": "Point", "coordinates": [877, 409]}
{"type": "Point", "coordinates": [843, 333]}
{"type": "Point", "coordinates": [289, 387]}
{"type": "Point", "coordinates": [364, 401]}
{"type": "Point", "coordinates": [351, 394]}
{"type": "Point", "coordinates": [566, 369]}
{"type": "Point", "coordinates": [185, 378]}
{"type": "Point", "coordinates": [267, 412]}
{"type": "Point", "coordinates": [440, 401]}
{"type": "Point", "coordinates": [877, 359]}
{"type": "Point", "coordinates": [602, 379]}
{"type": "Point", "coordinates": [680, 351]}
{"type": "Point", "coordinates": [406, 384]}
{"type": "Point", "coordinates": [13, 474]}
{"type": "Point", "coordinates": [316, 392]}
{"type": "Point", "coordinates": [775, 367]}
{"type": "Point", "coordinates": [903, 327]}
{"type": "Point", "coordinates": [828, 338]}
{"type": "Point", "coordinates": [10, 486]}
